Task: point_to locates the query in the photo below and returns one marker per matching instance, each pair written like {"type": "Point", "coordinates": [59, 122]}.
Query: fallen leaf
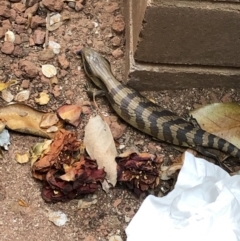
{"type": "Point", "coordinates": [22, 96]}
{"type": "Point", "coordinates": [7, 96]}
{"type": "Point", "coordinates": [22, 158]}
{"type": "Point", "coordinates": [58, 218]}
{"type": "Point", "coordinates": [49, 70]}
{"type": "Point", "coordinates": [22, 203]}
{"type": "Point", "coordinates": [221, 119]}
{"type": "Point", "coordinates": [100, 146]}
{"type": "Point", "coordinates": [43, 99]}
{"type": "Point", "coordinates": [7, 84]}
{"type": "Point", "coordinates": [25, 119]}
{"type": "Point", "coordinates": [48, 120]}
{"type": "Point", "coordinates": [70, 113]}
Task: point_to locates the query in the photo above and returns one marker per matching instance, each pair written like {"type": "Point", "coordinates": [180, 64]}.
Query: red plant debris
{"type": "Point", "coordinates": [65, 175]}
{"type": "Point", "coordinates": [139, 172]}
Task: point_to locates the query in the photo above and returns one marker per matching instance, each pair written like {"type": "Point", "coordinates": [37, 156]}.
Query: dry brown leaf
{"type": "Point", "coordinates": [70, 113]}
{"type": "Point", "coordinates": [22, 158]}
{"type": "Point", "coordinates": [24, 119]}
{"type": "Point", "coordinates": [100, 145]}
{"type": "Point", "coordinates": [48, 120]}
{"type": "Point", "coordinates": [221, 119]}
{"type": "Point", "coordinates": [43, 99]}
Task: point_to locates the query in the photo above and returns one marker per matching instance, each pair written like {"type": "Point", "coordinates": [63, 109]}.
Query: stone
{"type": "Point", "coordinates": [30, 3]}
{"type": "Point", "coordinates": [29, 68]}
{"type": "Point", "coordinates": [31, 10]}
{"type": "Point", "coordinates": [19, 7]}
{"type": "Point", "coordinates": [7, 48]}
{"type": "Point", "coordinates": [6, 24]}
{"type": "Point", "coordinates": [20, 20]}
{"type": "Point", "coordinates": [18, 51]}
{"type": "Point", "coordinates": [117, 53]}
{"type": "Point", "coordinates": [13, 14]}
{"type": "Point", "coordinates": [2, 32]}
{"type": "Point", "coordinates": [63, 62]}
{"type": "Point", "coordinates": [39, 36]}
{"type": "Point", "coordinates": [118, 25]}
{"type": "Point", "coordinates": [46, 54]}
{"type": "Point", "coordinates": [17, 39]}
{"type": "Point", "coordinates": [5, 12]}
{"type": "Point", "coordinates": [37, 21]}
{"type": "Point", "coordinates": [25, 84]}
{"type": "Point", "coordinates": [53, 5]}
{"type": "Point", "coordinates": [78, 6]}
{"type": "Point", "coordinates": [116, 41]}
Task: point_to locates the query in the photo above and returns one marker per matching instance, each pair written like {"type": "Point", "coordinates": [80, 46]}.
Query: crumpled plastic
{"type": "Point", "coordinates": [204, 205]}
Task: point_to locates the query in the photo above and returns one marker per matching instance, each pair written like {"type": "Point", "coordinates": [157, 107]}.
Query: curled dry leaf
{"type": "Point", "coordinates": [22, 96]}
{"type": "Point", "coordinates": [43, 98]}
{"type": "Point", "coordinates": [7, 84]}
{"type": "Point", "coordinates": [49, 70]}
{"type": "Point", "coordinates": [25, 119]}
{"type": "Point", "coordinates": [221, 119]}
{"type": "Point", "coordinates": [139, 172]}
{"type": "Point", "coordinates": [70, 113]}
{"type": "Point", "coordinates": [9, 36]}
{"type": "Point", "coordinates": [7, 96]}
{"type": "Point", "coordinates": [22, 158]}
{"type": "Point", "coordinates": [48, 120]}
{"type": "Point", "coordinates": [66, 175]}
{"type": "Point", "coordinates": [100, 145]}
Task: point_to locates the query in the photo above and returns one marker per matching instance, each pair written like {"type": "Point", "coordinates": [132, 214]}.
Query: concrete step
{"type": "Point", "coordinates": [182, 44]}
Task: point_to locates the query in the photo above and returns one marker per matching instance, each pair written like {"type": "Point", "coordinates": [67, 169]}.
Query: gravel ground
{"type": "Point", "coordinates": [98, 24]}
